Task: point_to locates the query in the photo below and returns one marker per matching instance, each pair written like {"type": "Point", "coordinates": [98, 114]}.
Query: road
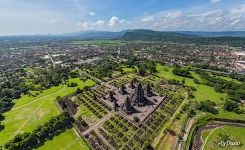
{"type": "Point", "coordinates": [187, 131]}
{"type": "Point", "coordinates": [50, 58]}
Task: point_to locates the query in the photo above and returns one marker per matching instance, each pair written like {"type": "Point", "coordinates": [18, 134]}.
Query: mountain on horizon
{"type": "Point", "coordinates": [215, 34]}
{"type": "Point", "coordinates": [144, 34]}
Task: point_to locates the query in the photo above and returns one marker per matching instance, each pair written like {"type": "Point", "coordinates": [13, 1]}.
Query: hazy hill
{"type": "Point", "coordinates": [215, 34]}
{"type": "Point", "coordinates": [141, 34]}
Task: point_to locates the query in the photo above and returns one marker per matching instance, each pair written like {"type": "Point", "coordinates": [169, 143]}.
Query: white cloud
{"type": "Point", "coordinates": [147, 18]}
{"type": "Point", "coordinates": [100, 23]}
{"type": "Point", "coordinates": [235, 22]}
{"type": "Point", "coordinates": [122, 21]}
{"type": "Point", "coordinates": [91, 25]}
{"type": "Point", "coordinates": [113, 21]}
{"type": "Point", "coordinates": [213, 20]}
{"type": "Point", "coordinates": [215, 1]}
{"type": "Point", "coordinates": [92, 13]}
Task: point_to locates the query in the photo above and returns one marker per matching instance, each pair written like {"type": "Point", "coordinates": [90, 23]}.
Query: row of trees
{"type": "Point", "coordinates": [181, 72]}
{"type": "Point", "coordinates": [56, 125]}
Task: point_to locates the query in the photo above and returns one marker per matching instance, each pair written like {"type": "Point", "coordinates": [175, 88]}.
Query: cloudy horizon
{"type": "Point", "coordinates": [64, 16]}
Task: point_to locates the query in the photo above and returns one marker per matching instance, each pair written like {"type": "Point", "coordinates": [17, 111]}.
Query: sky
{"type": "Point", "coordinates": [23, 17]}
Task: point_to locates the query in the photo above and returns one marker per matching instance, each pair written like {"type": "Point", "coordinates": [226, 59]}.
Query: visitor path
{"type": "Point", "coordinates": [98, 123]}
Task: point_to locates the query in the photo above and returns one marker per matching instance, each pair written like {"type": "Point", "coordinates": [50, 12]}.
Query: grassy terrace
{"type": "Point", "coordinates": [30, 112]}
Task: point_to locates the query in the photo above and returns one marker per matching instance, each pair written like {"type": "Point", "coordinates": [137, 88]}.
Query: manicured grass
{"type": "Point", "coordinates": [67, 141]}
{"type": "Point", "coordinates": [30, 112]}
{"type": "Point", "coordinates": [203, 92]}
{"type": "Point", "coordinates": [233, 133]}
{"type": "Point", "coordinates": [205, 134]}
{"type": "Point", "coordinates": [80, 83]}
{"type": "Point", "coordinates": [230, 115]}
{"type": "Point", "coordinates": [84, 111]}
{"type": "Point", "coordinates": [127, 69]}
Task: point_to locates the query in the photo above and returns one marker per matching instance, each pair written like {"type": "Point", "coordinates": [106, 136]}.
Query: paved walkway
{"type": "Point", "coordinates": [98, 123]}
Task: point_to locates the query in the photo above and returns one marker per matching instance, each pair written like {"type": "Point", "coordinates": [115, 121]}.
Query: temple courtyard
{"type": "Point", "coordinates": [134, 101]}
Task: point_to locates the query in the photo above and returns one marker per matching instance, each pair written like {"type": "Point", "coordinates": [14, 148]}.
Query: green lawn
{"type": "Point", "coordinates": [128, 69]}
{"type": "Point", "coordinates": [84, 111]}
{"type": "Point", "coordinates": [203, 92]}
{"type": "Point", "coordinates": [65, 141]}
{"type": "Point", "coordinates": [30, 112]}
{"type": "Point", "coordinates": [233, 133]}
{"type": "Point", "coordinates": [231, 115]}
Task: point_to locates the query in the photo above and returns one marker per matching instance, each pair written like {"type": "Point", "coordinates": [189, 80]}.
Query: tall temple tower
{"type": "Point", "coordinates": [139, 97]}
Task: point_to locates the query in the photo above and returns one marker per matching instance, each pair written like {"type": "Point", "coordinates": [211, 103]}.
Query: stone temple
{"type": "Point", "coordinates": [136, 99]}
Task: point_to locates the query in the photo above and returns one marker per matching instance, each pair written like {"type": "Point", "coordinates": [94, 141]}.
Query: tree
{"type": "Point", "coordinates": [183, 81]}
{"type": "Point", "coordinates": [196, 81]}
{"type": "Point", "coordinates": [207, 106]}
{"type": "Point", "coordinates": [231, 106]}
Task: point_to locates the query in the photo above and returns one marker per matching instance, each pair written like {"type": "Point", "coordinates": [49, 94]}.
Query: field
{"type": "Point", "coordinates": [213, 137]}
{"type": "Point", "coordinates": [30, 112]}
{"type": "Point", "coordinates": [66, 140]}
{"type": "Point", "coordinates": [203, 92]}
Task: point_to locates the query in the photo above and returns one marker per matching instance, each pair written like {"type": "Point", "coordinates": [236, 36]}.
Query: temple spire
{"type": "Point", "coordinates": [148, 90]}
{"type": "Point", "coordinates": [127, 107]}
{"type": "Point", "coordinates": [139, 97]}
